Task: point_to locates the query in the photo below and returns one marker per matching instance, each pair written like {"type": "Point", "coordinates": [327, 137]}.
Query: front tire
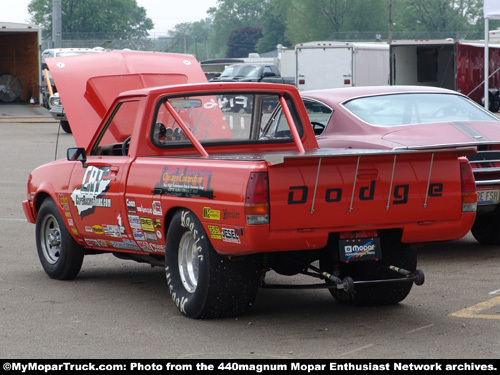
{"type": "Point", "coordinates": [60, 255]}
{"type": "Point", "coordinates": [65, 126]}
{"type": "Point", "coordinates": [203, 283]}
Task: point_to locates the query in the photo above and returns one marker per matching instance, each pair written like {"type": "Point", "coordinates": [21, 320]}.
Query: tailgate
{"type": "Point", "coordinates": [369, 189]}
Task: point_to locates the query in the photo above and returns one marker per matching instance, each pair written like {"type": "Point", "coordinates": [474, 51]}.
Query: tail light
{"type": "Point", "coordinates": [469, 193]}
{"type": "Point", "coordinates": [257, 199]}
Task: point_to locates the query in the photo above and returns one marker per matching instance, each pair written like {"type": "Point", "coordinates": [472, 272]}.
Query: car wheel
{"type": "Point", "coordinates": [486, 228]}
{"type": "Point", "coordinates": [65, 126]}
{"type": "Point", "coordinates": [384, 293]}
{"type": "Point", "coordinates": [203, 283]}
{"type": "Point", "coordinates": [60, 255]}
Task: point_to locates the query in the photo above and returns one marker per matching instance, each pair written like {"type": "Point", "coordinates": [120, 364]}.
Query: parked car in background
{"type": "Point", "coordinates": [50, 96]}
{"type": "Point", "coordinates": [253, 72]}
{"type": "Point", "coordinates": [401, 117]}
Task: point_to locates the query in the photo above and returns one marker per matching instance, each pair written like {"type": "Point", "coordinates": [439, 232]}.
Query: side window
{"type": "Point", "coordinates": [115, 137]}
{"type": "Point", "coordinates": [319, 115]}
{"type": "Point", "coordinates": [267, 69]}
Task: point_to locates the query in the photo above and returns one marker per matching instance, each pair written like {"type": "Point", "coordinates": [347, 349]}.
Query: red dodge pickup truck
{"type": "Point", "coordinates": [180, 176]}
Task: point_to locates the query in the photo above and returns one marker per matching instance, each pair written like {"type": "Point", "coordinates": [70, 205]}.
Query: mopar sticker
{"type": "Point", "coordinates": [91, 194]}
{"type": "Point", "coordinates": [360, 249]}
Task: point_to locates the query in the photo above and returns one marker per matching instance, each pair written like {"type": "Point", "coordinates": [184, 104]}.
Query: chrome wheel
{"type": "Point", "coordinates": [51, 239]}
{"type": "Point", "coordinates": [188, 262]}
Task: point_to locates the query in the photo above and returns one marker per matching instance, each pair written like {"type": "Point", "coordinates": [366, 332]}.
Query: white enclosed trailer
{"type": "Point", "coordinates": [322, 65]}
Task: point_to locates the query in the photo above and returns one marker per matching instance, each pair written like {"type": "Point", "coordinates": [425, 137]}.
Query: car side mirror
{"type": "Point", "coordinates": [77, 154]}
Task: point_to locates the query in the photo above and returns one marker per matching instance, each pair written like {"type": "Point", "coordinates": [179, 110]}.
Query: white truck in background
{"type": "Point", "coordinates": [328, 64]}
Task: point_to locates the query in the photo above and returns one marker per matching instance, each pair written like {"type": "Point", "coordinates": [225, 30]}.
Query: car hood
{"type": "Point", "coordinates": [89, 83]}
{"type": "Point", "coordinates": [445, 134]}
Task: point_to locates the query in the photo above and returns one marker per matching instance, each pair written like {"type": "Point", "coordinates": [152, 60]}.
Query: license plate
{"type": "Point", "coordinates": [488, 196]}
{"type": "Point", "coordinates": [360, 249]}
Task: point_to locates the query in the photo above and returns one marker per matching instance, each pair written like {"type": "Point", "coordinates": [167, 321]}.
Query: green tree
{"type": "Point", "coordinates": [273, 23]}
{"type": "Point", "coordinates": [309, 20]}
{"type": "Point", "coordinates": [229, 15]}
{"type": "Point", "coordinates": [111, 19]}
{"type": "Point", "coordinates": [439, 18]}
{"type": "Point", "coordinates": [192, 38]}
{"type": "Point", "coordinates": [242, 41]}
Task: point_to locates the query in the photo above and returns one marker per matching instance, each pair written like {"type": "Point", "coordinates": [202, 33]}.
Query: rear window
{"type": "Point", "coordinates": [416, 108]}
{"type": "Point", "coordinates": [226, 118]}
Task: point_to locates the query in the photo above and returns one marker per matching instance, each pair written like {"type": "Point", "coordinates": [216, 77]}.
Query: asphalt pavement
{"type": "Point", "coordinates": [24, 112]}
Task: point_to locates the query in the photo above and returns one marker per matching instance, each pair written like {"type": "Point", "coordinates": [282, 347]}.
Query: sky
{"type": "Point", "coordinates": [164, 13]}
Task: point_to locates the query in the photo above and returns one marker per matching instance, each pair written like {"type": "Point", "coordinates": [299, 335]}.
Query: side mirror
{"type": "Point", "coordinates": [77, 154]}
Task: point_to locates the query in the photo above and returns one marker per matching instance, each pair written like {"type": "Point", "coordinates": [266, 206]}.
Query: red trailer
{"type": "Point", "coordinates": [456, 65]}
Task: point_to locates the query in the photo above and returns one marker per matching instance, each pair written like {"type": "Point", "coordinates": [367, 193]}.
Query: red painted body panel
{"type": "Point", "coordinates": [89, 83]}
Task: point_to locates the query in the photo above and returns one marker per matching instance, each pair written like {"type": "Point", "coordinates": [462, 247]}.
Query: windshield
{"type": "Point", "coordinates": [409, 108]}
{"type": "Point", "coordinates": [241, 71]}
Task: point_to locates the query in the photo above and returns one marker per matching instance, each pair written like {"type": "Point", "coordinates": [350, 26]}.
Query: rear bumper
{"type": "Point", "coordinates": [259, 239]}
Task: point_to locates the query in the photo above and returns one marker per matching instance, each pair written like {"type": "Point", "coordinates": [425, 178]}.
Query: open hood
{"type": "Point", "coordinates": [88, 84]}
{"type": "Point", "coordinates": [446, 134]}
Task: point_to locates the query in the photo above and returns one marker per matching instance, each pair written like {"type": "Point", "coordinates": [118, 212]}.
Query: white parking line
{"type": "Point", "coordinates": [357, 350]}
{"type": "Point", "coordinates": [10, 219]}
{"type": "Point", "coordinates": [419, 329]}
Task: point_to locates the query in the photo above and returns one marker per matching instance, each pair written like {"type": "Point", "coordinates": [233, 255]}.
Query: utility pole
{"type": "Point", "coordinates": [56, 23]}
{"type": "Point", "coordinates": [390, 21]}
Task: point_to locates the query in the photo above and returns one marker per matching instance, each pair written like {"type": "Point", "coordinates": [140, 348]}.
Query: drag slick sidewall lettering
{"type": "Point", "coordinates": [226, 286]}
{"type": "Point", "coordinates": [60, 255]}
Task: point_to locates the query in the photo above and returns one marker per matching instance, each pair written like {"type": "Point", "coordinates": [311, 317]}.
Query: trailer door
{"type": "Point", "coordinates": [321, 68]}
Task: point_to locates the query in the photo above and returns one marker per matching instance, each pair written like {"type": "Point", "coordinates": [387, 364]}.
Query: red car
{"type": "Point", "coordinates": [409, 117]}
{"type": "Point", "coordinates": [208, 181]}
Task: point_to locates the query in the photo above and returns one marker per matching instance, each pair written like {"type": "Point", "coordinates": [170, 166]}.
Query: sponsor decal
{"type": "Point", "coordinates": [97, 229]}
{"type": "Point", "coordinates": [185, 182]}
{"type": "Point", "coordinates": [75, 232]}
{"type": "Point", "coordinates": [134, 221]}
{"type": "Point", "coordinates": [150, 236]}
{"type": "Point", "coordinates": [147, 224]}
{"type": "Point", "coordinates": [144, 210]}
{"type": "Point", "coordinates": [214, 231]}
{"type": "Point", "coordinates": [64, 202]}
{"type": "Point", "coordinates": [157, 248]}
{"type": "Point", "coordinates": [230, 215]}
{"type": "Point", "coordinates": [159, 234]}
{"type": "Point", "coordinates": [144, 245]}
{"type": "Point", "coordinates": [210, 214]}
{"type": "Point", "coordinates": [138, 235]}
{"type": "Point", "coordinates": [91, 193]}
{"type": "Point", "coordinates": [360, 249]}
{"type": "Point", "coordinates": [91, 242]}
{"type": "Point", "coordinates": [157, 210]}
{"type": "Point", "coordinates": [112, 230]}
{"type": "Point", "coordinates": [229, 235]}
{"type": "Point", "coordinates": [130, 205]}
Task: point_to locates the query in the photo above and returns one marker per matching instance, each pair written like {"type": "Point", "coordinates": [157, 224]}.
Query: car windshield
{"type": "Point", "coordinates": [416, 108]}
{"type": "Point", "coordinates": [241, 71]}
